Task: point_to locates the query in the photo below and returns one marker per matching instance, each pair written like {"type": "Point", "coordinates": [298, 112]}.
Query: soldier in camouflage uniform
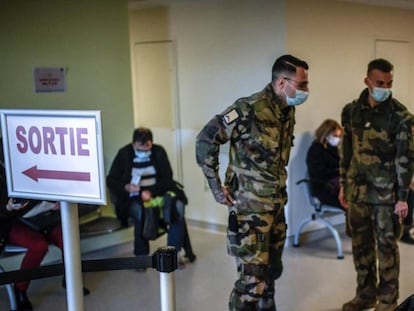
{"type": "Point", "coordinates": [375, 170]}
{"type": "Point", "coordinates": [259, 130]}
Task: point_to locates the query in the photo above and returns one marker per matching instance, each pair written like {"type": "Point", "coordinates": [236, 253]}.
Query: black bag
{"type": "Point", "coordinates": [178, 189]}
{"type": "Point", "coordinates": [43, 221]}
{"type": "Point", "coordinates": [44, 218]}
{"type": "Point", "coordinates": [153, 226]}
{"type": "Point", "coordinates": [41, 215]}
{"type": "Point", "coordinates": [171, 211]}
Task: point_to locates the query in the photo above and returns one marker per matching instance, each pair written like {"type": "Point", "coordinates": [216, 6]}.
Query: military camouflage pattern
{"type": "Point", "coordinates": [377, 151]}
{"type": "Point", "coordinates": [376, 167]}
{"type": "Point", "coordinates": [260, 135]}
{"type": "Point", "coordinates": [258, 247]}
{"type": "Point", "coordinates": [375, 225]}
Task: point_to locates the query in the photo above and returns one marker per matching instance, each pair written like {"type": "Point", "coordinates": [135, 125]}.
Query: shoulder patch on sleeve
{"type": "Point", "coordinates": [231, 116]}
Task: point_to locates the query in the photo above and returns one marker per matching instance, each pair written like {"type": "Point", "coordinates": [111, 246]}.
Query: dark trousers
{"type": "Point", "coordinates": [177, 232]}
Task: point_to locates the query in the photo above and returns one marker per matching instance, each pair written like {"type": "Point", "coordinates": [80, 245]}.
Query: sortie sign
{"type": "Point", "coordinates": [54, 155]}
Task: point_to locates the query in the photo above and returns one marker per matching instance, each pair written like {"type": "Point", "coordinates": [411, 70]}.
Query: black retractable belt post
{"type": "Point", "coordinates": [165, 261]}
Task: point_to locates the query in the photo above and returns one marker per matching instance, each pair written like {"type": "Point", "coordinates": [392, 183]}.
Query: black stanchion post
{"type": "Point", "coordinates": [165, 261]}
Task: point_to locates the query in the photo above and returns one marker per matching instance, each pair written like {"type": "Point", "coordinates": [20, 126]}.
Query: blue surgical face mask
{"type": "Point", "coordinates": [142, 154]}
{"type": "Point", "coordinates": [380, 94]}
{"type": "Point", "coordinates": [300, 97]}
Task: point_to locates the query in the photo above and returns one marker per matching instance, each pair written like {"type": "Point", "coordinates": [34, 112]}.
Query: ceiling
{"type": "Point", "coordinates": [140, 4]}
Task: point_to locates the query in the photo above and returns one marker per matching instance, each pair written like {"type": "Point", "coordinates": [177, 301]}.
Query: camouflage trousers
{"type": "Point", "coordinates": [375, 232]}
{"type": "Point", "coordinates": [257, 244]}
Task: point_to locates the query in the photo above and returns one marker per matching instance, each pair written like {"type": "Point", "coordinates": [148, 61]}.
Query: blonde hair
{"type": "Point", "coordinates": [327, 127]}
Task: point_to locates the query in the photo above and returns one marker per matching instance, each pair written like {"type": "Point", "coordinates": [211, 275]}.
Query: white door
{"type": "Point", "coordinates": [155, 104]}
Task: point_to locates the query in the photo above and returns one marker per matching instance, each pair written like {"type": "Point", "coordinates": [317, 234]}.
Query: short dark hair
{"type": "Point", "coordinates": [141, 135]}
{"type": "Point", "coordinates": [287, 64]}
{"type": "Point", "coordinates": [380, 64]}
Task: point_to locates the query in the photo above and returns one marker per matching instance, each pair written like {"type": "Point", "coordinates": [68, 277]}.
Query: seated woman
{"type": "Point", "coordinates": [323, 162]}
{"type": "Point", "coordinates": [15, 232]}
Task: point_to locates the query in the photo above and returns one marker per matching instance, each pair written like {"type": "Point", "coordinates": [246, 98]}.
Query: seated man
{"type": "Point", "coordinates": [140, 173]}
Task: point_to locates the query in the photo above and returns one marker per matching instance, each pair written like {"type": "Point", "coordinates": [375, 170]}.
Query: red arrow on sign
{"type": "Point", "coordinates": [35, 174]}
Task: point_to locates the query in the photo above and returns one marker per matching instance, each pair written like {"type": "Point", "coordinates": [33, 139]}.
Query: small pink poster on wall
{"type": "Point", "coordinates": [49, 79]}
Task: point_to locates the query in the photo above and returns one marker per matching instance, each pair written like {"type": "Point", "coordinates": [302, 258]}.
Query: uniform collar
{"type": "Point", "coordinates": [275, 101]}
{"type": "Point", "coordinates": [364, 104]}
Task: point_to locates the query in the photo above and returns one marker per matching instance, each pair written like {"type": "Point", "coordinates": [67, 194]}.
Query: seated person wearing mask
{"type": "Point", "coordinates": [139, 175]}
{"type": "Point", "coordinates": [323, 163]}
{"type": "Point", "coordinates": [18, 233]}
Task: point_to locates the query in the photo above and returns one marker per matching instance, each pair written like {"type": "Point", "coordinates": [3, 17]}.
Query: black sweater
{"type": "Point", "coordinates": [323, 169]}
{"type": "Point", "coordinates": [120, 171]}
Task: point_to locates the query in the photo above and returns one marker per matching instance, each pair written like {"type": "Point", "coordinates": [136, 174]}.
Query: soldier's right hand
{"type": "Point", "coordinates": [230, 201]}
{"type": "Point", "coordinates": [221, 194]}
{"type": "Point", "coordinates": [341, 197]}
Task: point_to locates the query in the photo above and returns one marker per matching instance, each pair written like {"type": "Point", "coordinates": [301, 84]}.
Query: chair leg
{"type": "Point", "coordinates": [10, 294]}
{"type": "Point", "coordinates": [12, 297]}
{"type": "Point", "coordinates": [335, 235]}
{"type": "Point", "coordinates": [297, 234]}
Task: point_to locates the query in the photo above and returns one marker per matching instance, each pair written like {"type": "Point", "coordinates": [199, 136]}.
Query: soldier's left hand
{"type": "Point", "coordinates": [401, 209]}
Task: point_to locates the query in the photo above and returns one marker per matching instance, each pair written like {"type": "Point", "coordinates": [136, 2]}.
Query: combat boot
{"type": "Point", "coordinates": [359, 304]}
{"type": "Point", "coordinates": [385, 306]}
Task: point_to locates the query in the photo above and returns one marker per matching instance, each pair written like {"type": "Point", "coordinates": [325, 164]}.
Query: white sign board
{"type": "Point", "coordinates": [54, 155]}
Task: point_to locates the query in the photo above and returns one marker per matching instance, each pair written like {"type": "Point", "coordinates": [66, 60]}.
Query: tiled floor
{"type": "Point", "coordinates": [313, 280]}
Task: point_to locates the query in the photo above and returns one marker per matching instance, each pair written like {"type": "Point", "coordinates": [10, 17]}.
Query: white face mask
{"type": "Point", "coordinates": [333, 140]}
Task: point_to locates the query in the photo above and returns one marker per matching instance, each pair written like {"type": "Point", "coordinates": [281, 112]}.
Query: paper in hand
{"type": "Point", "coordinates": [40, 208]}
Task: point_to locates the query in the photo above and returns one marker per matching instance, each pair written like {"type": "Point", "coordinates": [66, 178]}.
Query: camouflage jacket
{"type": "Point", "coordinates": [260, 135]}
{"type": "Point", "coordinates": [377, 151]}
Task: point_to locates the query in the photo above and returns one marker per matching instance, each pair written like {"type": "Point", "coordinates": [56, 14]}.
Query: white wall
{"type": "Point", "coordinates": [225, 50]}
{"type": "Point", "coordinates": [338, 40]}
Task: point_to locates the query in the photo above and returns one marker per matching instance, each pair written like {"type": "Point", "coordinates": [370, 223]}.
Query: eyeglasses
{"type": "Point", "coordinates": [300, 84]}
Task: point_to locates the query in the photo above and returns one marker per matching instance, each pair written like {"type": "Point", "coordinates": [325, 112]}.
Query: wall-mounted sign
{"type": "Point", "coordinates": [54, 155]}
{"type": "Point", "coordinates": [49, 79]}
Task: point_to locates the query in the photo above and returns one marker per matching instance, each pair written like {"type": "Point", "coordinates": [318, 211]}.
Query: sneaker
{"type": "Point", "coordinates": [358, 304]}
{"type": "Point", "coordinates": [385, 306]}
